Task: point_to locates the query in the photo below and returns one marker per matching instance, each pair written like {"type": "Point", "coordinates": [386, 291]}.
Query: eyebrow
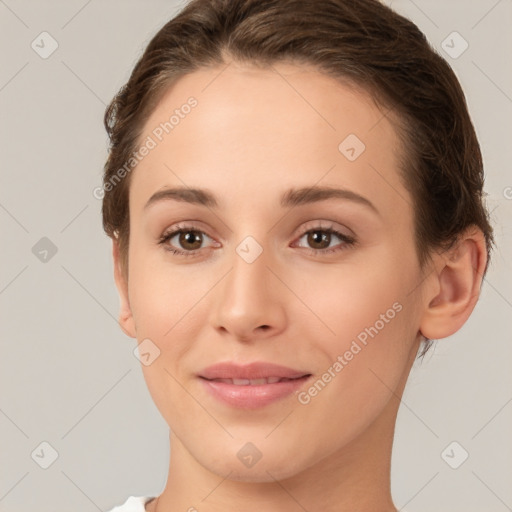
{"type": "Point", "coordinates": [291, 198]}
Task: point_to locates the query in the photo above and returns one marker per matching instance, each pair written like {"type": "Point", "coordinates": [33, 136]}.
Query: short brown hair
{"type": "Point", "coordinates": [360, 42]}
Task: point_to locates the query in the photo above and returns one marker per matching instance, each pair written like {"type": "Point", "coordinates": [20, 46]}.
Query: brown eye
{"type": "Point", "coordinates": [185, 241]}
{"type": "Point", "coordinates": [319, 239]}
{"type": "Point", "coordinates": [194, 238]}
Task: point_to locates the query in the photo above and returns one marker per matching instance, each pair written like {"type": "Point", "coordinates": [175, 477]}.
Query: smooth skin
{"type": "Point", "coordinates": [254, 134]}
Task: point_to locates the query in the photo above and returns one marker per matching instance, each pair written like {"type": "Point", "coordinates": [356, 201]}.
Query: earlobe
{"type": "Point", "coordinates": [126, 321]}
{"type": "Point", "coordinates": [457, 284]}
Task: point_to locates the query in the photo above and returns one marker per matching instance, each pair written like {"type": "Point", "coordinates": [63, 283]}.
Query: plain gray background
{"type": "Point", "coordinates": [68, 374]}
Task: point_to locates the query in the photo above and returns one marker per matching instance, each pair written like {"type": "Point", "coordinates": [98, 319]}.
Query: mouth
{"type": "Point", "coordinates": [251, 386]}
{"type": "Point", "coordinates": [257, 382]}
{"type": "Point", "coordinates": [251, 372]}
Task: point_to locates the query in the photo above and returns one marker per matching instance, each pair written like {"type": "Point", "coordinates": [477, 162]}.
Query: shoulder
{"type": "Point", "coordinates": [133, 504]}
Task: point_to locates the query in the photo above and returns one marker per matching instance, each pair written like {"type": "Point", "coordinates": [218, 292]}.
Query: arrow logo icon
{"type": "Point", "coordinates": [249, 249]}
{"type": "Point", "coordinates": [454, 455]}
{"type": "Point", "coordinates": [44, 455]}
{"type": "Point", "coordinates": [351, 147]}
{"type": "Point", "coordinates": [44, 250]}
{"type": "Point", "coordinates": [146, 352]}
{"type": "Point", "coordinates": [44, 45]}
{"type": "Point", "coordinates": [249, 455]}
{"type": "Point", "coordinates": [454, 45]}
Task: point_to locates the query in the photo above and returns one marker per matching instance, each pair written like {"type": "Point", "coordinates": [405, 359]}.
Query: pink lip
{"type": "Point", "coordinates": [251, 396]}
{"type": "Point", "coordinates": [257, 370]}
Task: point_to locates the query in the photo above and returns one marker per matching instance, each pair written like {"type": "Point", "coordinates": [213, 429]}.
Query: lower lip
{"type": "Point", "coordinates": [252, 397]}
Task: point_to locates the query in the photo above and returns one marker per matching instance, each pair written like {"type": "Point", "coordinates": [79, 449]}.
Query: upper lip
{"type": "Point", "coordinates": [256, 370]}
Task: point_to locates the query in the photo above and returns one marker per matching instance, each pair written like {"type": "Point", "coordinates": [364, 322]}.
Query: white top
{"type": "Point", "coordinates": [133, 504]}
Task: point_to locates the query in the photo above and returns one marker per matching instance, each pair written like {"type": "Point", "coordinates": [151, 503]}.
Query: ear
{"type": "Point", "coordinates": [454, 286]}
{"type": "Point", "coordinates": [126, 321]}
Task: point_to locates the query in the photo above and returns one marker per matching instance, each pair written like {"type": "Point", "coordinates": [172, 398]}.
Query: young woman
{"type": "Point", "coordinates": [294, 194]}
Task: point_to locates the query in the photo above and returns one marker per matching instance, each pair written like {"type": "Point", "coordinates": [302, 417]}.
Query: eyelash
{"type": "Point", "coordinates": [348, 241]}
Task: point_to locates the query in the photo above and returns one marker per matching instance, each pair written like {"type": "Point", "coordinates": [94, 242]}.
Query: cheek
{"type": "Point", "coordinates": [370, 315]}
{"type": "Point", "coordinates": [161, 295]}
{"type": "Point", "coordinates": [364, 365]}
{"type": "Point", "coordinates": [162, 305]}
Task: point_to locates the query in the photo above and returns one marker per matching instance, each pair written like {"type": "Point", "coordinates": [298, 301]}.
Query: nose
{"type": "Point", "coordinates": [249, 300]}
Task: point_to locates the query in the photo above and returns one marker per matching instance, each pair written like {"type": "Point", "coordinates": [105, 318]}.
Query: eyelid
{"type": "Point", "coordinates": [187, 225]}
{"type": "Point", "coordinates": [321, 224]}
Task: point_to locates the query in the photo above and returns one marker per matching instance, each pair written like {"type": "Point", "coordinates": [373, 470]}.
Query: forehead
{"type": "Point", "coordinates": [262, 130]}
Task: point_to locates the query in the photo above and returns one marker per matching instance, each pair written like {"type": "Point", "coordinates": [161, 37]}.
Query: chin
{"type": "Point", "coordinates": [256, 476]}
{"type": "Point", "coordinates": [263, 471]}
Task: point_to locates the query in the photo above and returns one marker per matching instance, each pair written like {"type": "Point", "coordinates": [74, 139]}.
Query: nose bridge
{"type": "Point", "coordinates": [247, 298]}
{"type": "Point", "coordinates": [248, 279]}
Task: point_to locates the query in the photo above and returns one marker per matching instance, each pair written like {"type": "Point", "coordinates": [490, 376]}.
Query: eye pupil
{"type": "Point", "coordinates": [317, 237]}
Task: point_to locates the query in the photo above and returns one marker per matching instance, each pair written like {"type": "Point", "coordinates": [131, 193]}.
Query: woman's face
{"type": "Point", "coordinates": [261, 278]}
